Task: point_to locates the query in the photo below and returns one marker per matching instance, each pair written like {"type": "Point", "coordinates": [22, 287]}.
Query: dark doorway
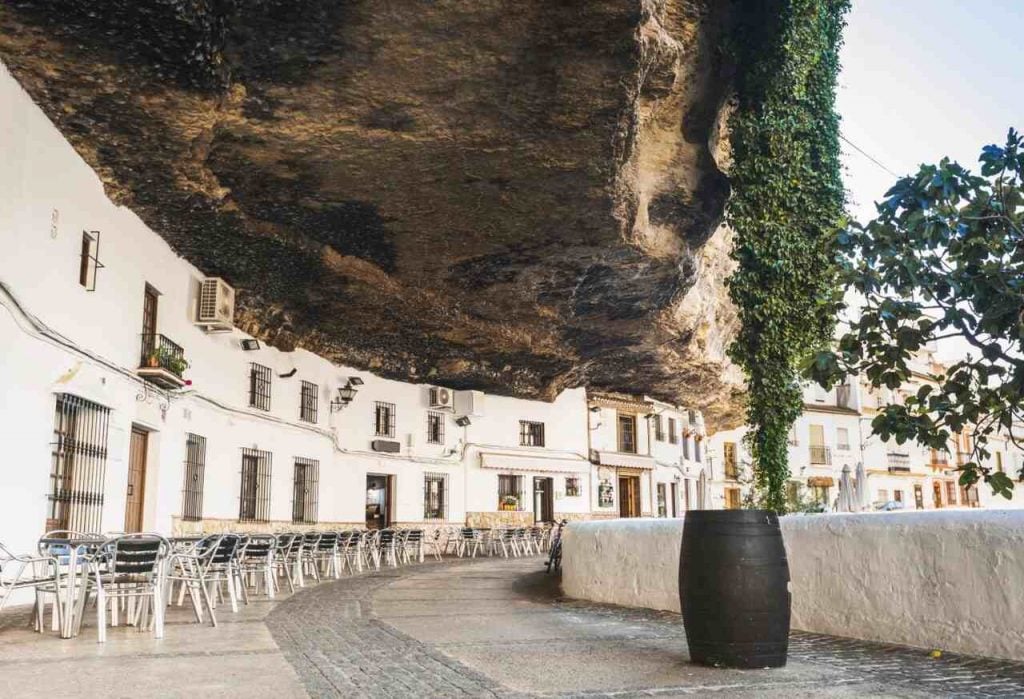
{"type": "Point", "coordinates": [543, 500]}
{"type": "Point", "coordinates": [918, 497]}
{"type": "Point", "coordinates": [378, 501]}
{"type": "Point", "coordinates": [136, 493]}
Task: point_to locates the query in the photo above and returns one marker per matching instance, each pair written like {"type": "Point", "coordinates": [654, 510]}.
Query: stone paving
{"type": "Point", "coordinates": [481, 628]}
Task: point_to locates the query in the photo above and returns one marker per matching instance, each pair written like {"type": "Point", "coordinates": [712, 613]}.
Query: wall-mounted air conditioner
{"type": "Point", "coordinates": [441, 398]}
{"type": "Point", "coordinates": [216, 305]}
{"type": "Point", "coordinates": [469, 403]}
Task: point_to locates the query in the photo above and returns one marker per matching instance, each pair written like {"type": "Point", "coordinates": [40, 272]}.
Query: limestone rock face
{"type": "Point", "coordinates": [518, 197]}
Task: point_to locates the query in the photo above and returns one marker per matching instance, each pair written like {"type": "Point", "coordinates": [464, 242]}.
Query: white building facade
{"type": "Point", "coordinates": [834, 432]}
{"type": "Point", "coordinates": [125, 408]}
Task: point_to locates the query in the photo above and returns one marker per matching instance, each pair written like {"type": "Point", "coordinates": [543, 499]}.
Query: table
{"type": "Point", "coordinates": [75, 547]}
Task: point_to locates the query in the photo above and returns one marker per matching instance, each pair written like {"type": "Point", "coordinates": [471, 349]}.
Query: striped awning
{"type": "Point", "coordinates": [618, 458]}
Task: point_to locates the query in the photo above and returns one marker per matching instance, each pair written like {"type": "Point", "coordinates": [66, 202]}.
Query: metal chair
{"type": "Point", "coordinates": [256, 564]}
{"type": "Point", "coordinates": [326, 555]}
{"type": "Point", "coordinates": [130, 568]}
{"type": "Point", "coordinates": [40, 574]}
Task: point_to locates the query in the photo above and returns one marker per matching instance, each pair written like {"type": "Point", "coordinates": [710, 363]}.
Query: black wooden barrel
{"type": "Point", "coordinates": [734, 588]}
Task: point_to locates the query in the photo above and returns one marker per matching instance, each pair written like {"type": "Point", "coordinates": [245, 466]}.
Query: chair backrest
{"type": "Point", "coordinates": [310, 540]}
{"type": "Point", "coordinates": [328, 541]}
{"type": "Point", "coordinates": [136, 554]}
{"type": "Point", "coordinates": [258, 546]}
{"type": "Point", "coordinates": [219, 549]}
{"type": "Point", "coordinates": [284, 542]}
{"type": "Point", "coordinates": [386, 536]}
{"type": "Point", "coordinates": [468, 533]}
{"type": "Point", "coordinates": [414, 536]}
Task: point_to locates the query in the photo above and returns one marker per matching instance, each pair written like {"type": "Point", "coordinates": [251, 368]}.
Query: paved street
{"type": "Point", "coordinates": [490, 628]}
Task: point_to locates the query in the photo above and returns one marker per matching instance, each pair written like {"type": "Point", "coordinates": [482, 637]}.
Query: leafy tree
{"type": "Point", "coordinates": [943, 259]}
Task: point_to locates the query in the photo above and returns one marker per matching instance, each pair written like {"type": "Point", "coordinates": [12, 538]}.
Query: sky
{"type": "Point", "coordinates": [926, 78]}
{"type": "Point", "coordinates": [923, 79]}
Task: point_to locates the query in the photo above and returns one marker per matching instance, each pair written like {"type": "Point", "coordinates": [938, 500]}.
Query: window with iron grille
{"type": "Point", "coordinates": [572, 487]}
{"type": "Point", "coordinates": [305, 487]}
{"type": "Point", "coordinates": [90, 262]}
{"type": "Point", "coordinates": [254, 499]}
{"type": "Point", "coordinates": [195, 465]}
{"type": "Point", "coordinates": [627, 433]}
{"type": "Point", "coordinates": [435, 496]}
{"type": "Point", "coordinates": [309, 395]}
{"type": "Point", "coordinates": [435, 428]}
{"type": "Point", "coordinates": [384, 419]}
{"type": "Point", "coordinates": [659, 430]}
{"type": "Point", "coordinates": [78, 465]}
{"type": "Point", "coordinates": [673, 436]}
{"type": "Point", "coordinates": [510, 492]}
{"type": "Point", "coordinates": [259, 386]}
{"type": "Point", "coordinates": [531, 434]}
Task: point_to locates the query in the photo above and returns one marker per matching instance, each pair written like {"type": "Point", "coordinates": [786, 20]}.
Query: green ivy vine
{"type": "Point", "coordinates": [785, 210]}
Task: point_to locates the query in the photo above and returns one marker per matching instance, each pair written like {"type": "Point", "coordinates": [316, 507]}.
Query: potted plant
{"type": "Point", "coordinates": [510, 503]}
{"type": "Point", "coordinates": [177, 364]}
{"type": "Point", "coordinates": [153, 358]}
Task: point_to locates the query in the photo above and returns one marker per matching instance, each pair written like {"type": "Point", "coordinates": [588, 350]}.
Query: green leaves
{"type": "Point", "coordinates": [943, 259]}
{"type": "Point", "coordinates": [785, 210]}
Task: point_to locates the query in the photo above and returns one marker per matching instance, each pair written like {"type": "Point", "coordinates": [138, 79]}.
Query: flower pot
{"type": "Point", "coordinates": [734, 588]}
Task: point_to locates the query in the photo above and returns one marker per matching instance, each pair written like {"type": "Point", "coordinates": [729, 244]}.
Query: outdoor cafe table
{"type": "Point", "coordinates": [75, 552]}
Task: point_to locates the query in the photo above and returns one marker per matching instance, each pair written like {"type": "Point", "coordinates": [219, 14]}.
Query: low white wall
{"type": "Point", "coordinates": [950, 580]}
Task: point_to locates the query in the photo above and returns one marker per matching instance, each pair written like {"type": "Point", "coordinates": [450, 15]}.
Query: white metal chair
{"type": "Point", "coordinates": [40, 574]}
{"type": "Point", "coordinates": [131, 568]}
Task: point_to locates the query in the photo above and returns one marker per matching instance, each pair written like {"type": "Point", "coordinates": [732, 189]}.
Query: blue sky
{"type": "Point", "coordinates": [926, 78]}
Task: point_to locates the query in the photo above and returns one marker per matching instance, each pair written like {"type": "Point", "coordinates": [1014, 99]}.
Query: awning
{"type": "Point", "coordinates": [821, 482]}
{"type": "Point", "coordinates": [618, 458]}
{"type": "Point", "coordinates": [539, 463]}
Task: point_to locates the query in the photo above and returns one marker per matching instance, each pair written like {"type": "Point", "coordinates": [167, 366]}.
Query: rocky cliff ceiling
{"type": "Point", "coordinates": [513, 196]}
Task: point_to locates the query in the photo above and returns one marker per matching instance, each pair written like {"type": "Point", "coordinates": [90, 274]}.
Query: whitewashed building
{"type": "Point", "coordinates": [129, 401]}
{"type": "Point", "coordinates": [834, 431]}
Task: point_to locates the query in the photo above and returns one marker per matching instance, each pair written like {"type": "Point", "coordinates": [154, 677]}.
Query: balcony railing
{"type": "Point", "coordinates": [162, 361]}
{"type": "Point", "coordinates": [898, 463]}
{"type": "Point", "coordinates": [820, 455]}
{"type": "Point", "coordinates": [940, 460]}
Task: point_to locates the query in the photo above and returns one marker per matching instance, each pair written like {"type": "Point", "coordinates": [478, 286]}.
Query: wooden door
{"type": "Point", "coordinates": [675, 499]}
{"type": "Point", "coordinates": [937, 494]}
{"type": "Point", "coordinates": [543, 500]}
{"type": "Point", "coordinates": [629, 496]}
{"type": "Point", "coordinates": [136, 493]}
{"type": "Point", "coordinates": [149, 308]}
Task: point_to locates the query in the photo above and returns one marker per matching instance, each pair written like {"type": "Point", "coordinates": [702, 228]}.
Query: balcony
{"type": "Point", "coordinates": [898, 463]}
{"type": "Point", "coordinates": [162, 361]}
{"type": "Point", "coordinates": [820, 455]}
{"type": "Point", "coordinates": [940, 461]}
{"type": "Point", "coordinates": [843, 395]}
{"type": "Point", "coordinates": [732, 472]}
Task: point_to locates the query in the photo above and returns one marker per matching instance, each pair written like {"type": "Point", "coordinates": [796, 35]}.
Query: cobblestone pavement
{"type": "Point", "coordinates": [497, 628]}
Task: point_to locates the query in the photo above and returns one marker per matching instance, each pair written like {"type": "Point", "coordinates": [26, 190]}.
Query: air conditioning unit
{"type": "Point", "coordinates": [441, 398]}
{"type": "Point", "coordinates": [216, 305]}
{"type": "Point", "coordinates": [469, 403]}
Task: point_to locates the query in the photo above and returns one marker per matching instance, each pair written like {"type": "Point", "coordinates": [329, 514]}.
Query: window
{"type": "Point", "coordinates": [531, 434]}
{"type": "Point", "coordinates": [309, 397]}
{"type": "Point", "coordinates": [572, 487]}
{"type": "Point", "coordinates": [897, 495]}
{"type": "Point", "coordinates": [659, 432]}
{"type": "Point", "coordinates": [999, 461]}
{"type": "Point", "coordinates": [435, 428]}
{"type": "Point", "coordinates": [696, 449]}
{"type": "Point", "coordinates": [510, 492]}
{"type": "Point", "coordinates": [732, 498]}
{"type": "Point", "coordinates": [951, 492]}
{"type": "Point", "coordinates": [673, 436]}
{"type": "Point", "coordinates": [793, 441]}
{"type": "Point", "coordinates": [435, 496]}
{"type": "Point", "coordinates": [195, 465]}
{"type": "Point", "coordinates": [627, 433]}
{"type": "Point", "coordinates": [78, 466]}
{"type": "Point", "coordinates": [662, 501]}
{"type": "Point", "coordinates": [686, 447]}
{"type": "Point", "coordinates": [729, 460]}
{"type": "Point", "coordinates": [259, 386]}
{"type": "Point", "coordinates": [305, 486]}
{"type": "Point", "coordinates": [842, 439]}
{"type": "Point", "coordinates": [384, 419]}
{"type": "Point", "coordinates": [90, 262]}
{"type": "Point", "coordinates": [254, 498]}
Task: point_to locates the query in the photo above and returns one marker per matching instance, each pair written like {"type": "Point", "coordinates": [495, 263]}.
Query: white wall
{"type": "Point", "coordinates": [57, 337]}
{"type": "Point", "coordinates": [952, 580]}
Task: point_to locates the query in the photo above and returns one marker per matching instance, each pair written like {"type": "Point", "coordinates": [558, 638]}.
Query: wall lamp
{"type": "Point", "coordinates": [345, 395]}
{"type": "Point", "coordinates": [595, 409]}
{"type": "Point", "coordinates": [250, 345]}
{"type": "Point", "coordinates": [463, 421]}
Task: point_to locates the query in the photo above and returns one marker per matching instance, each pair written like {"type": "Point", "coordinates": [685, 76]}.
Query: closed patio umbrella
{"type": "Point", "coordinates": [846, 494]}
{"type": "Point", "coordinates": [863, 501]}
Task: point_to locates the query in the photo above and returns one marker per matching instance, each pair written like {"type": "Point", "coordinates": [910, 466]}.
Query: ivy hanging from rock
{"type": "Point", "coordinates": [786, 207]}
